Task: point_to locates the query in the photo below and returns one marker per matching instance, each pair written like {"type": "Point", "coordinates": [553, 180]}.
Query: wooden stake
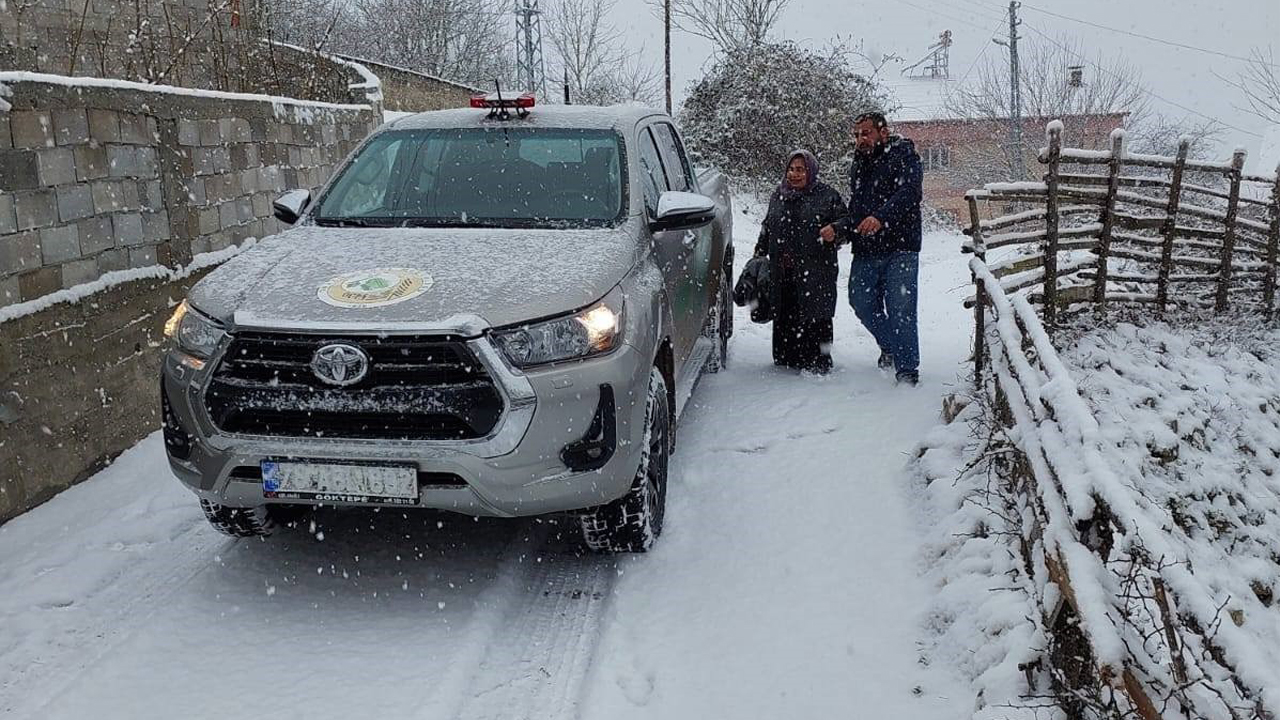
{"type": "Point", "coordinates": [1170, 228]}
{"type": "Point", "coordinates": [1050, 248]}
{"type": "Point", "coordinates": [1229, 240]}
{"type": "Point", "coordinates": [1273, 250]}
{"type": "Point", "coordinates": [1108, 219]}
{"type": "Point", "coordinates": [980, 294]}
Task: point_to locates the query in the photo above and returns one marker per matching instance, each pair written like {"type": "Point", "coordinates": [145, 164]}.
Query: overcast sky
{"type": "Point", "coordinates": [908, 27]}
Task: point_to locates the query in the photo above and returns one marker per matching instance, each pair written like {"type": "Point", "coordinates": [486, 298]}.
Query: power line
{"type": "Point", "coordinates": [1151, 38]}
{"type": "Point", "coordinates": [985, 46]}
{"type": "Point", "coordinates": [934, 11]}
{"type": "Point", "coordinates": [1142, 88]}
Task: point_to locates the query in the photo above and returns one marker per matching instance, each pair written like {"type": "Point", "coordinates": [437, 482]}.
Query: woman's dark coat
{"type": "Point", "coordinates": [789, 237]}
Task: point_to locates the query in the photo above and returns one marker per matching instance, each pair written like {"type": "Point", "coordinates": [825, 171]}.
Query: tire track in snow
{"type": "Point", "coordinates": [533, 638]}
{"type": "Point", "coordinates": [114, 616]}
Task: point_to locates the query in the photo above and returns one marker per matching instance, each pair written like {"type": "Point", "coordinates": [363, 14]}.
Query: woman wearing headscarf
{"type": "Point", "coordinates": [802, 266]}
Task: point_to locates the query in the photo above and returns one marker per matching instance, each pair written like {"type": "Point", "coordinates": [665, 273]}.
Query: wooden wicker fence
{"type": "Point", "coordinates": [1150, 230]}
{"type": "Point", "coordinates": [1134, 235]}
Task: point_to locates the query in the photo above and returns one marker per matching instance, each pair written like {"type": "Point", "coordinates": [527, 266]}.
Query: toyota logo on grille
{"type": "Point", "coordinates": [340, 364]}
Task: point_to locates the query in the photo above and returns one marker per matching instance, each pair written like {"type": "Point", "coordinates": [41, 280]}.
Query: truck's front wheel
{"type": "Point", "coordinates": [632, 522]}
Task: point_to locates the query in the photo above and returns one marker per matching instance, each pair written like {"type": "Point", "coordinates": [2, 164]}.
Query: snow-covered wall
{"type": "Point", "coordinates": [98, 177]}
{"type": "Point", "coordinates": [103, 175]}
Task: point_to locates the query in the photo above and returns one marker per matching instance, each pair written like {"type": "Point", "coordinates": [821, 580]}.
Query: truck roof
{"type": "Point", "coordinates": [587, 117]}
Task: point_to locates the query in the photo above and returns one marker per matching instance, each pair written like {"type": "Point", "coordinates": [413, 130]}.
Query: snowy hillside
{"type": "Point", "coordinates": [1192, 413]}
{"type": "Point", "coordinates": [1188, 427]}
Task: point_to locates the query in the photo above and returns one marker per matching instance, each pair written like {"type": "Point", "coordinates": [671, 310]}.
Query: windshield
{"type": "Point", "coordinates": [503, 177]}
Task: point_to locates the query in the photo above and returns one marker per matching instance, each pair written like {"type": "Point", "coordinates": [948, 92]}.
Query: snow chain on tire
{"type": "Point", "coordinates": [239, 522]}
{"type": "Point", "coordinates": [632, 522]}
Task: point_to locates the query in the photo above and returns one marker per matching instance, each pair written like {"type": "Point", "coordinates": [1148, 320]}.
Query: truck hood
{"type": "Point", "coordinates": [462, 280]}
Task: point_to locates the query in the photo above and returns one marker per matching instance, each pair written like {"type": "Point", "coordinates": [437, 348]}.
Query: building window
{"type": "Point", "coordinates": [937, 157]}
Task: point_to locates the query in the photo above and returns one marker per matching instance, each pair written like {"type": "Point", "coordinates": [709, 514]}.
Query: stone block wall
{"type": "Point", "coordinates": [101, 178]}
{"type": "Point", "coordinates": [134, 40]}
{"type": "Point", "coordinates": [95, 179]}
{"type": "Point", "coordinates": [408, 91]}
{"type": "Point", "coordinates": [79, 383]}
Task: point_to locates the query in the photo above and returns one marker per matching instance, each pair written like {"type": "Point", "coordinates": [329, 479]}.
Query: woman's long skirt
{"type": "Point", "coordinates": [799, 340]}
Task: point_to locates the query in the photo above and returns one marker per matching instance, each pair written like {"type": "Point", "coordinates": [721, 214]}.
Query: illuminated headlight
{"type": "Point", "coordinates": [594, 331]}
{"type": "Point", "coordinates": [194, 333]}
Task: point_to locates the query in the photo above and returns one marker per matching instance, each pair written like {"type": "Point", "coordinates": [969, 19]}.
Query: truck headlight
{"type": "Point", "coordinates": [594, 331]}
{"type": "Point", "coordinates": [193, 332]}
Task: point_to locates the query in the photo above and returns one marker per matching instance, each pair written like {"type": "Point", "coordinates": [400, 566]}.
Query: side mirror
{"type": "Point", "coordinates": [683, 211]}
{"type": "Point", "coordinates": [290, 206]}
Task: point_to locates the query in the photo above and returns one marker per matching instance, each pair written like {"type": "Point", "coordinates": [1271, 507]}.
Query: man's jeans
{"type": "Point", "coordinates": [883, 290]}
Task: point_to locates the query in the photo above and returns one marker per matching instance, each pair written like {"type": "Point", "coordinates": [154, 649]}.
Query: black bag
{"type": "Point", "coordinates": [753, 290]}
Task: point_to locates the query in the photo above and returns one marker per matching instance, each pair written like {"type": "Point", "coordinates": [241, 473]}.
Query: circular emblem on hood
{"type": "Point", "coordinates": [375, 288]}
{"type": "Point", "coordinates": [340, 364]}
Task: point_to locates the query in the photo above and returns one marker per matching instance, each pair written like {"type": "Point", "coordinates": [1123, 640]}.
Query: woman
{"type": "Point", "coordinates": [802, 266]}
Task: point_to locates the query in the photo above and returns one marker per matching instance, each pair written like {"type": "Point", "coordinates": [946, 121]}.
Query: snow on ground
{"type": "Point", "coordinates": [789, 582]}
{"type": "Point", "coordinates": [1190, 416]}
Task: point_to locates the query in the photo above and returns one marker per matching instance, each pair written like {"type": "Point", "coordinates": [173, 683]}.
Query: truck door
{"type": "Point", "coordinates": [700, 277]}
{"type": "Point", "coordinates": [671, 248]}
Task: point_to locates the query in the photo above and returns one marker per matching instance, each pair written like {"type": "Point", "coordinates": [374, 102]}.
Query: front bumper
{"type": "Point", "coordinates": [517, 470]}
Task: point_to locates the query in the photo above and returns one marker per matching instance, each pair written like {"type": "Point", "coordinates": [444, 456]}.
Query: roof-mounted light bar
{"type": "Point", "coordinates": [500, 104]}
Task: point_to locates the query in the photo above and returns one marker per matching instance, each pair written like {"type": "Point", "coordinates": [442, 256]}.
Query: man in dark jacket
{"type": "Point", "coordinates": [883, 228]}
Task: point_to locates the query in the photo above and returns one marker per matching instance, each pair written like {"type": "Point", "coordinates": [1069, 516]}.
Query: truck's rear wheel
{"type": "Point", "coordinates": [634, 521]}
{"type": "Point", "coordinates": [719, 327]}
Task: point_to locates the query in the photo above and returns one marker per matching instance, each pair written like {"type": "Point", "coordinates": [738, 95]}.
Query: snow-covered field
{"type": "Point", "coordinates": [791, 581]}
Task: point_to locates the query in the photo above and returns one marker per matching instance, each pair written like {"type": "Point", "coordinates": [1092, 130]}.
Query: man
{"type": "Point", "coordinates": [883, 228]}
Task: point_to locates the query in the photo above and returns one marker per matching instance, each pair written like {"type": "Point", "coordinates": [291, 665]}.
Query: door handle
{"type": "Point", "coordinates": [690, 239]}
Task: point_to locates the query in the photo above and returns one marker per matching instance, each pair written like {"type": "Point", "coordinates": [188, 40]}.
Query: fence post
{"type": "Point", "coordinates": [980, 296]}
{"type": "Point", "coordinates": [1050, 249]}
{"type": "Point", "coordinates": [1229, 238]}
{"type": "Point", "coordinates": [1169, 229]}
{"type": "Point", "coordinates": [1108, 219]}
{"type": "Point", "coordinates": [1273, 249]}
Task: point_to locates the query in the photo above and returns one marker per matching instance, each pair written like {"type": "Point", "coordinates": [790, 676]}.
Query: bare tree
{"type": "Point", "coordinates": [637, 81]}
{"type": "Point", "coordinates": [594, 60]}
{"type": "Point", "coordinates": [1260, 84]}
{"type": "Point", "coordinates": [1105, 93]}
{"type": "Point", "coordinates": [587, 44]}
{"type": "Point", "coordinates": [729, 24]}
{"type": "Point", "coordinates": [467, 41]}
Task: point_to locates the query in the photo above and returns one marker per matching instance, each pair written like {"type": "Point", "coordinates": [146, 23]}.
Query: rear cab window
{"type": "Point", "coordinates": [653, 177]}
{"type": "Point", "coordinates": [674, 160]}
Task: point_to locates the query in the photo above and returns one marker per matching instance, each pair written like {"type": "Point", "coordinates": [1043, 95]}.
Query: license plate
{"type": "Point", "coordinates": [333, 482]}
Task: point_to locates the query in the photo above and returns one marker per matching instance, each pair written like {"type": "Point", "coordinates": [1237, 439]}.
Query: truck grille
{"type": "Point", "coordinates": [417, 388]}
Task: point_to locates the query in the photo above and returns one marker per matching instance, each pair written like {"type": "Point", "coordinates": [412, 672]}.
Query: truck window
{"type": "Point", "coordinates": [493, 177]}
{"type": "Point", "coordinates": [679, 176]}
{"type": "Point", "coordinates": [365, 191]}
{"type": "Point", "coordinates": [652, 177]}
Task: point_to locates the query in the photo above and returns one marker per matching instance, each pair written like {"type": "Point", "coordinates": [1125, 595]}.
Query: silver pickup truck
{"type": "Point", "coordinates": [490, 312]}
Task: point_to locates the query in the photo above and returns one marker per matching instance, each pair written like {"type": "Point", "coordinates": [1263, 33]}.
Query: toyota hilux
{"type": "Point", "coordinates": [498, 310]}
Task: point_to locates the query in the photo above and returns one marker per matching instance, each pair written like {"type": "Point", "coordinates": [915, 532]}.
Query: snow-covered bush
{"type": "Point", "coordinates": [755, 106]}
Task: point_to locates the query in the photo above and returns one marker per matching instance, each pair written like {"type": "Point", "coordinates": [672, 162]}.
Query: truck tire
{"type": "Point", "coordinates": [634, 521]}
{"type": "Point", "coordinates": [239, 522]}
{"type": "Point", "coordinates": [719, 327]}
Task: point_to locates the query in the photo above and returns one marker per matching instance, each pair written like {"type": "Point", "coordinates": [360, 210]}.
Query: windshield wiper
{"type": "Point", "coordinates": [353, 222]}
{"type": "Point", "coordinates": [425, 222]}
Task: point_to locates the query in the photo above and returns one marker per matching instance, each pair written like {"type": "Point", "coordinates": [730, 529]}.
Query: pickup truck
{"type": "Point", "coordinates": [489, 312]}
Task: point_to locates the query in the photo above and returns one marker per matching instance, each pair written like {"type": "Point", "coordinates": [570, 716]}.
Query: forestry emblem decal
{"type": "Point", "coordinates": [375, 288]}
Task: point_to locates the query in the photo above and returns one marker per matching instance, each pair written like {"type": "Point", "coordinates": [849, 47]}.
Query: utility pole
{"type": "Point", "coordinates": [666, 6]}
{"type": "Point", "coordinates": [1019, 164]}
{"type": "Point", "coordinates": [531, 69]}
